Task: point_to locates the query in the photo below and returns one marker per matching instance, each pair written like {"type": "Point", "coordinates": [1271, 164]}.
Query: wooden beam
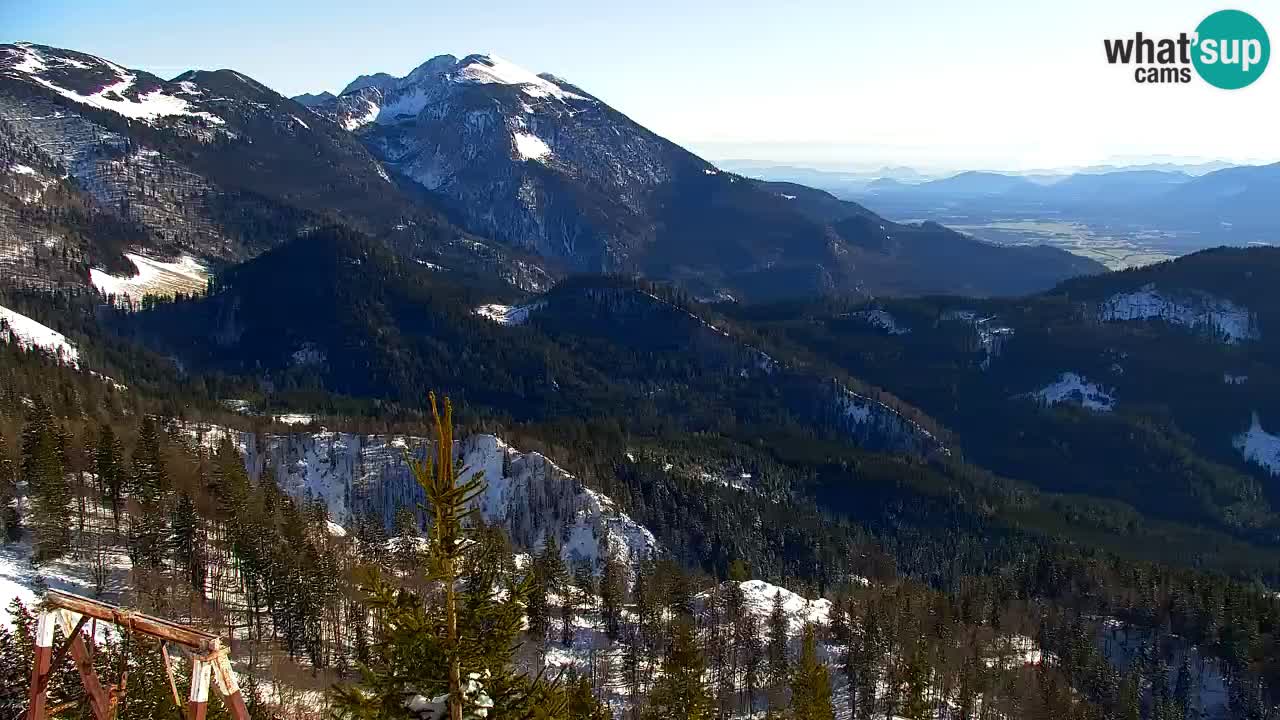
{"type": "Point", "coordinates": [198, 700]}
{"type": "Point", "coordinates": [201, 642]}
{"type": "Point", "coordinates": [224, 679]}
{"type": "Point", "coordinates": [40, 669]}
{"type": "Point", "coordinates": [168, 671]}
{"type": "Point", "coordinates": [100, 702]}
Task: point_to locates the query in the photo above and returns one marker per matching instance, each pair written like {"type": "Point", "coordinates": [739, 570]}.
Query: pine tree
{"type": "Point", "coordinates": [680, 692]}
{"type": "Point", "coordinates": [10, 518]}
{"type": "Point", "coordinates": [915, 677]}
{"type": "Point", "coordinates": [613, 587]}
{"type": "Point", "coordinates": [407, 553]}
{"type": "Point", "coordinates": [811, 683]}
{"type": "Point", "coordinates": [42, 468]}
{"type": "Point", "coordinates": [443, 649]}
{"type": "Point", "coordinates": [108, 461]}
{"type": "Point", "coordinates": [187, 550]}
{"type": "Point", "coordinates": [149, 481]}
{"type": "Point", "coordinates": [1183, 690]}
{"type": "Point", "coordinates": [1130, 696]}
{"type": "Point", "coordinates": [581, 703]}
{"type": "Point", "coordinates": [148, 528]}
{"type": "Point", "coordinates": [779, 668]}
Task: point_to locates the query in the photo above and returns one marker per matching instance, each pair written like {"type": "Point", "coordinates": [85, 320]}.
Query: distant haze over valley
{"type": "Point", "coordinates": [1126, 212]}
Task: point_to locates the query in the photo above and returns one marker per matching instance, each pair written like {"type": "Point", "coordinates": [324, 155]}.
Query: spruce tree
{"type": "Point", "coordinates": [10, 518]}
{"type": "Point", "coordinates": [108, 458]}
{"type": "Point", "coordinates": [442, 649]}
{"type": "Point", "coordinates": [42, 468]}
{"type": "Point", "coordinates": [811, 683]}
{"type": "Point", "coordinates": [613, 587]}
{"type": "Point", "coordinates": [778, 667]}
{"type": "Point", "coordinates": [680, 692]}
{"type": "Point", "coordinates": [188, 553]}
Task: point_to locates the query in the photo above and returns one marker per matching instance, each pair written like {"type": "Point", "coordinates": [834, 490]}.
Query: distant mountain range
{"type": "Point", "coordinates": [474, 165]}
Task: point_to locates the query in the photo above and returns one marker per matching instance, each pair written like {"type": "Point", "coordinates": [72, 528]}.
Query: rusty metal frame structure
{"type": "Point", "coordinates": [208, 656]}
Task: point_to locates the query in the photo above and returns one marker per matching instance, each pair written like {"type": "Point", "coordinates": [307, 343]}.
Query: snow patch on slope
{"type": "Point", "coordinates": [1073, 388]}
{"type": "Point", "coordinates": [1259, 446]}
{"type": "Point", "coordinates": [491, 69]}
{"type": "Point", "coordinates": [29, 334]}
{"type": "Point", "coordinates": [509, 314]}
{"type": "Point", "coordinates": [759, 596]}
{"type": "Point", "coordinates": [154, 277]}
{"type": "Point", "coordinates": [881, 319]}
{"type": "Point", "coordinates": [530, 146]}
{"type": "Point", "coordinates": [112, 97]}
{"type": "Point", "coordinates": [1199, 311]}
{"type": "Point", "coordinates": [357, 122]}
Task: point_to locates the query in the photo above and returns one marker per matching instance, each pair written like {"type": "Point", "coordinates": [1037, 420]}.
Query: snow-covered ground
{"type": "Point", "coordinates": [759, 596]}
{"type": "Point", "coordinates": [1259, 446]}
{"type": "Point", "coordinates": [1073, 388]}
{"type": "Point", "coordinates": [509, 314]}
{"type": "Point", "coordinates": [881, 319]}
{"type": "Point", "coordinates": [155, 277]}
{"type": "Point", "coordinates": [485, 69]}
{"type": "Point", "coordinates": [102, 555]}
{"type": "Point", "coordinates": [1199, 311]}
{"type": "Point", "coordinates": [530, 147]}
{"type": "Point", "coordinates": [29, 334]}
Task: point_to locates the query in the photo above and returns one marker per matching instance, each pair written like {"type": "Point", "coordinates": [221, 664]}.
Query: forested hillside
{"type": "Point", "coordinates": [945, 536]}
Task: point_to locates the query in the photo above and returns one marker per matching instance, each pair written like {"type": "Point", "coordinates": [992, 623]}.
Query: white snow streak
{"type": "Point", "coordinates": [154, 276]}
{"type": "Point", "coordinates": [530, 147]}
{"type": "Point", "coordinates": [29, 334]}
{"type": "Point", "coordinates": [1259, 446]}
{"type": "Point", "coordinates": [1073, 388]}
{"type": "Point", "coordinates": [491, 69]}
{"type": "Point", "coordinates": [509, 314]}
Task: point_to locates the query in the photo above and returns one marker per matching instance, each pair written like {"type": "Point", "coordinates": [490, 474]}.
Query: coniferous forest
{"type": "Point", "coordinates": [602, 432]}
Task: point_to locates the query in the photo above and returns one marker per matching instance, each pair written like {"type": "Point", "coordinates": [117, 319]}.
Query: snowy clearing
{"type": "Point", "coordinates": [155, 277]}
{"type": "Point", "coordinates": [509, 314]}
{"type": "Point", "coordinates": [1259, 446]}
{"type": "Point", "coordinates": [29, 334]}
{"type": "Point", "coordinates": [530, 147]}
{"type": "Point", "coordinates": [1073, 388]}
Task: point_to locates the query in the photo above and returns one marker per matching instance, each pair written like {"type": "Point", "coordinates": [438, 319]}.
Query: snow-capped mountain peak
{"type": "Point", "coordinates": [492, 69]}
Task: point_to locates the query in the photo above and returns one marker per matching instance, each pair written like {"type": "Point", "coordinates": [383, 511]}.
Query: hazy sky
{"type": "Point", "coordinates": [936, 83]}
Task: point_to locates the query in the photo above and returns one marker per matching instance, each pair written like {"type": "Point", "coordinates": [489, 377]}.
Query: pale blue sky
{"type": "Point", "coordinates": [933, 83]}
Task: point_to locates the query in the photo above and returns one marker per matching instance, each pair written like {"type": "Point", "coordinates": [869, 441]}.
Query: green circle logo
{"type": "Point", "coordinates": [1232, 49]}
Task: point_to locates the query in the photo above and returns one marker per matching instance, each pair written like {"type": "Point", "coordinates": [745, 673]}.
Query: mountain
{"type": "Point", "coordinates": [975, 182]}
{"type": "Point", "coordinates": [551, 169]}
{"type": "Point", "coordinates": [211, 166]}
{"type": "Point", "coordinates": [1239, 198]}
{"type": "Point", "coordinates": [337, 310]}
{"type": "Point", "coordinates": [310, 100]}
{"type": "Point", "coordinates": [942, 261]}
{"type": "Point", "coordinates": [1157, 388]}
